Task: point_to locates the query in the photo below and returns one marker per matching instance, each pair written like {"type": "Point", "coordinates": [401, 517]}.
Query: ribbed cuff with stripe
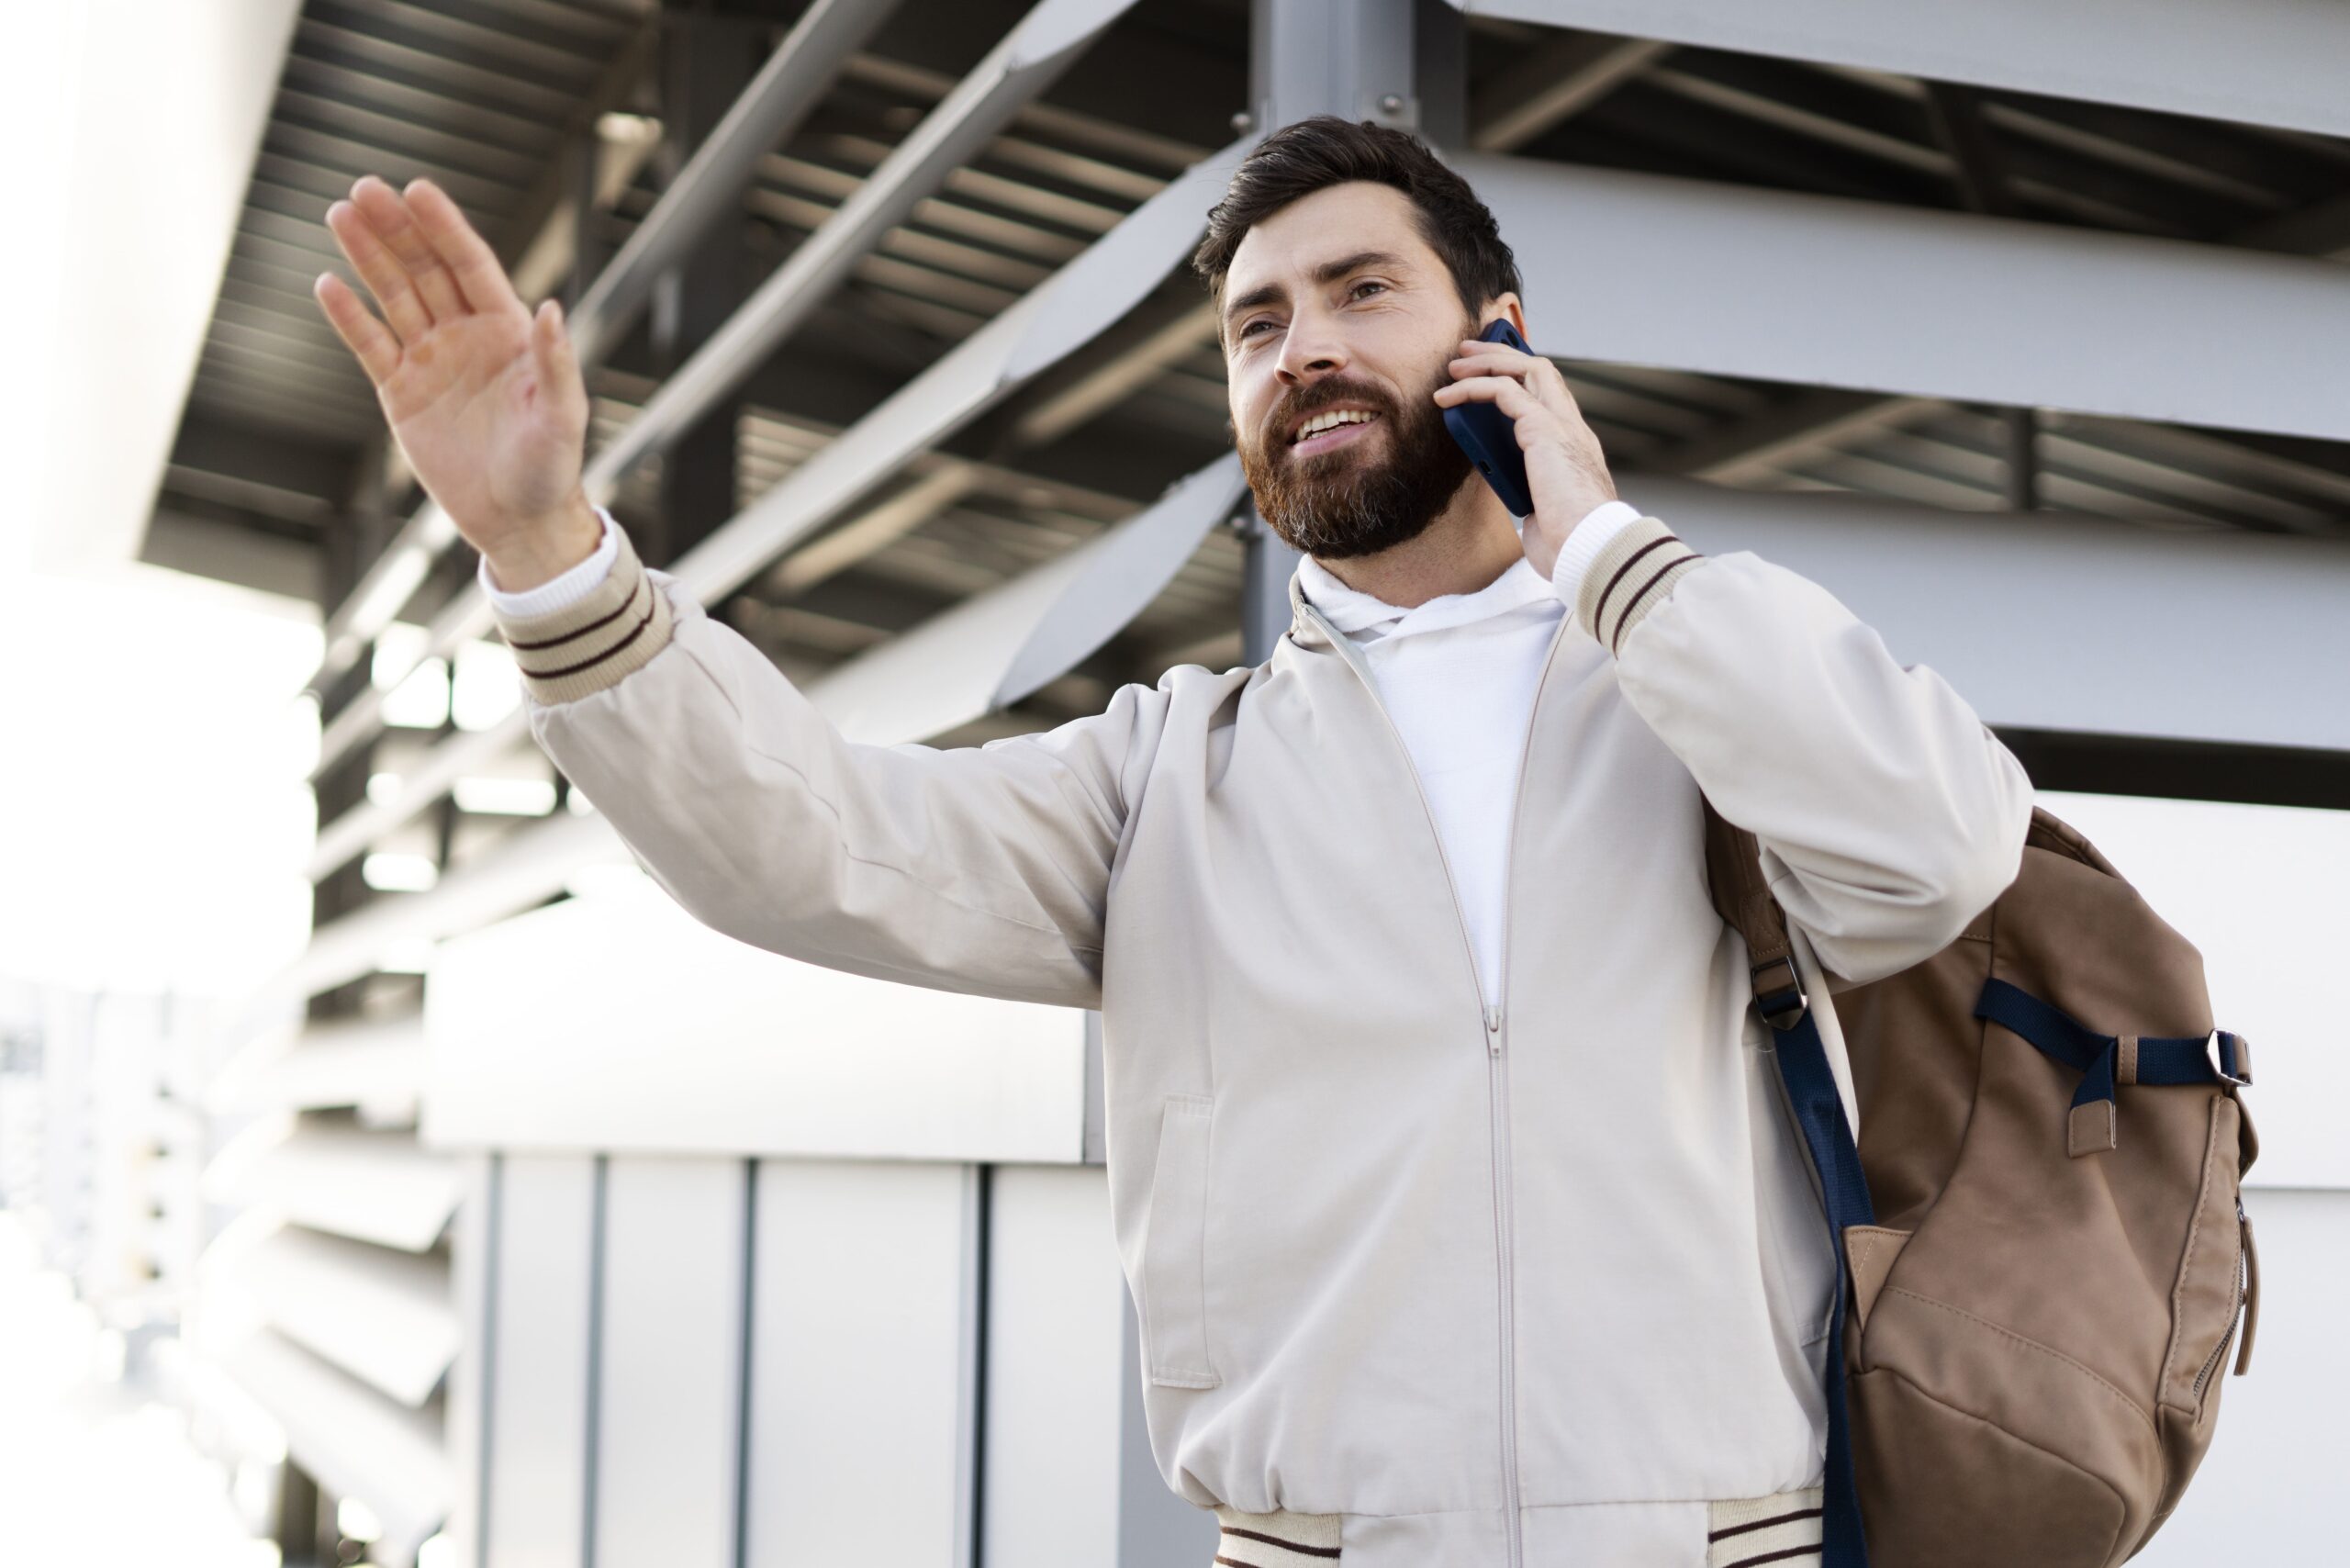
{"type": "Point", "coordinates": [1631, 576]}
{"type": "Point", "coordinates": [585, 647]}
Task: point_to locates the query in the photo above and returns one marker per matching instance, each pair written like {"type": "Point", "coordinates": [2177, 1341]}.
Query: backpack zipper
{"type": "Point", "coordinates": [2219, 1350]}
{"type": "Point", "coordinates": [1497, 1077]}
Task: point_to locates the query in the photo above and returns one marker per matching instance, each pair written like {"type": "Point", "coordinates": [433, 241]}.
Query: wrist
{"type": "Point", "coordinates": [544, 551]}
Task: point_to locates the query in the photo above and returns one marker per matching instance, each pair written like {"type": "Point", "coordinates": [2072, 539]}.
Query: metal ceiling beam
{"type": "Point", "coordinates": [1558, 80]}
{"type": "Point", "coordinates": [2025, 313]}
{"type": "Point", "coordinates": [2019, 612]}
{"type": "Point", "coordinates": [990, 651]}
{"type": "Point", "coordinates": [1016, 72]}
{"type": "Point", "coordinates": [1121, 369]}
{"type": "Point", "coordinates": [877, 528]}
{"type": "Point", "coordinates": [2322, 229]}
{"type": "Point", "coordinates": [2281, 65]}
{"type": "Point", "coordinates": [708, 190]}
{"type": "Point", "coordinates": [1748, 449]}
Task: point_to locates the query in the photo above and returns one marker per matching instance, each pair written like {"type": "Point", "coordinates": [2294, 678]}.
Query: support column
{"type": "Point", "coordinates": [1362, 60]}
{"type": "Point", "coordinates": [708, 58]}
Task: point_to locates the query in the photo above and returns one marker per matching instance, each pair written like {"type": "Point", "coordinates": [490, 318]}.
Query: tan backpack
{"type": "Point", "coordinates": [2043, 1269]}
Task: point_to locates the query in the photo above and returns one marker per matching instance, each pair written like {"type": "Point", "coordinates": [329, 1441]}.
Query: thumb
{"type": "Point", "coordinates": [551, 344]}
{"type": "Point", "coordinates": [557, 360]}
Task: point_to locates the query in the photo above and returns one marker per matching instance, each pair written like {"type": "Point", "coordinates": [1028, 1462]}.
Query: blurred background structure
{"type": "Point", "coordinates": [2022, 327]}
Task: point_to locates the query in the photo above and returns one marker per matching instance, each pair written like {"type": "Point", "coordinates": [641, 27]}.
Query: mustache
{"type": "Point", "coordinates": [1311, 401]}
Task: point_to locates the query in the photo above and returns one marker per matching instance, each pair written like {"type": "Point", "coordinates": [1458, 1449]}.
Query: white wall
{"type": "Point", "coordinates": [144, 118]}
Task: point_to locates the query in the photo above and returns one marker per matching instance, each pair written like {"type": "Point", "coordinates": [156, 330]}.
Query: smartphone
{"type": "Point", "coordinates": [1490, 436]}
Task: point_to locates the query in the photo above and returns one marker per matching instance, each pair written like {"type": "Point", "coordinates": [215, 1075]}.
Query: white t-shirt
{"type": "Point", "coordinates": [1458, 675]}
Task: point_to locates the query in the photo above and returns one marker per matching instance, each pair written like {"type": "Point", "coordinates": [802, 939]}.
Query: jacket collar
{"type": "Point", "coordinates": [1337, 609]}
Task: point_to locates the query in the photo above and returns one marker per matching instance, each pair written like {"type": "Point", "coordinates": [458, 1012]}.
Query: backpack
{"type": "Point", "coordinates": [2041, 1252]}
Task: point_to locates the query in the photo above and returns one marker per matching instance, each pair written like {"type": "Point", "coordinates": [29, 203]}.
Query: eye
{"type": "Point", "coordinates": [1356, 292]}
{"type": "Point", "coordinates": [1247, 328]}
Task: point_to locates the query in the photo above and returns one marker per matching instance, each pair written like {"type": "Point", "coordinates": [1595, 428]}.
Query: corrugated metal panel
{"type": "Point", "coordinates": [541, 1358]}
{"type": "Point", "coordinates": [2023, 314]}
{"type": "Point", "coordinates": [358, 1443]}
{"type": "Point", "coordinates": [1056, 1367]}
{"type": "Point", "coordinates": [855, 1363]}
{"type": "Point", "coordinates": [376, 1068]}
{"type": "Point", "coordinates": [378, 1187]}
{"type": "Point", "coordinates": [383, 1315]}
{"type": "Point", "coordinates": [669, 1419]}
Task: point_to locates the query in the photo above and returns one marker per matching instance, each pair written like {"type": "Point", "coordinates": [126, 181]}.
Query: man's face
{"type": "Point", "coordinates": [1334, 306]}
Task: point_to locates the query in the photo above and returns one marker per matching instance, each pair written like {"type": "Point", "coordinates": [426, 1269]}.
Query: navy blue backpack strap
{"type": "Point", "coordinates": [1843, 1190]}
{"type": "Point", "coordinates": [2104, 1060]}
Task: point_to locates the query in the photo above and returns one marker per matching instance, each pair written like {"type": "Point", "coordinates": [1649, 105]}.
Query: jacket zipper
{"type": "Point", "coordinates": [1497, 1060]}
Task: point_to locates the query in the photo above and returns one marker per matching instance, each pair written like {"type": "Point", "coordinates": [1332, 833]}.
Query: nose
{"type": "Point", "coordinates": [1309, 352]}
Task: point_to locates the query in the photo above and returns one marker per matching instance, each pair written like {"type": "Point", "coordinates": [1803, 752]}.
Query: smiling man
{"type": "Point", "coordinates": [1447, 1166]}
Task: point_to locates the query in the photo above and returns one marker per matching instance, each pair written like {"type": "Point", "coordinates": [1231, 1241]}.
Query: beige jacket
{"type": "Point", "coordinates": [1528, 1287]}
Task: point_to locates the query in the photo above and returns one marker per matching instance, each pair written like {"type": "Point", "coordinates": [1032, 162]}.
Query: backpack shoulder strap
{"type": "Point", "coordinates": [1734, 870]}
{"type": "Point", "coordinates": [1734, 873]}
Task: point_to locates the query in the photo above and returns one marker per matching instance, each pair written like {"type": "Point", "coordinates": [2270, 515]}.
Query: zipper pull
{"type": "Point", "coordinates": [1494, 1028]}
{"type": "Point", "coordinates": [2249, 1300]}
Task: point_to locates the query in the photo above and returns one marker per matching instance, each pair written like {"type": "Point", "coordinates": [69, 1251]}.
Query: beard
{"type": "Point", "coordinates": [1343, 502]}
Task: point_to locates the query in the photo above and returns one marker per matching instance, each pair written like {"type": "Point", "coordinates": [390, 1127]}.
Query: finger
{"type": "Point", "coordinates": [381, 271]}
{"type": "Point", "coordinates": [377, 349]}
{"type": "Point", "coordinates": [1504, 392]}
{"type": "Point", "coordinates": [462, 249]}
{"type": "Point", "coordinates": [1540, 376]}
{"type": "Point", "coordinates": [1491, 365]}
{"type": "Point", "coordinates": [1489, 346]}
{"type": "Point", "coordinates": [558, 361]}
{"type": "Point", "coordinates": [396, 226]}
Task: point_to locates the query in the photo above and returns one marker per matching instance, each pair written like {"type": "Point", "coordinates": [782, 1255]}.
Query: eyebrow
{"type": "Point", "coordinates": [1328, 271]}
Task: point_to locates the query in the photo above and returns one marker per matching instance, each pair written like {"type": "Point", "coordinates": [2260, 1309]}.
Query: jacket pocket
{"type": "Point", "coordinates": [1174, 1273]}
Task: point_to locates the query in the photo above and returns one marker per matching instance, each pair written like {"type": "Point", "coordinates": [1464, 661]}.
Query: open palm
{"type": "Point", "coordinates": [484, 398]}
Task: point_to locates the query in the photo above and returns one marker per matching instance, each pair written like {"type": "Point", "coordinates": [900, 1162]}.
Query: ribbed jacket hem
{"type": "Point", "coordinates": [1631, 576]}
{"type": "Point", "coordinates": [1783, 1531]}
{"type": "Point", "coordinates": [585, 647]}
{"type": "Point", "coordinates": [1283, 1539]}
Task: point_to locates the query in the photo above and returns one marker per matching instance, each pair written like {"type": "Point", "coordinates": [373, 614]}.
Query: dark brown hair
{"type": "Point", "coordinates": [1313, 154]}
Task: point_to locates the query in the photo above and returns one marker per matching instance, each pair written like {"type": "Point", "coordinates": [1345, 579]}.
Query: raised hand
{"type": "Point", "coordinates": [484, 396]}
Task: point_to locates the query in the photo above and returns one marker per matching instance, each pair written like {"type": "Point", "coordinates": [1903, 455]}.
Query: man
{"type": "Point", "coordinates": [1446, 1160]}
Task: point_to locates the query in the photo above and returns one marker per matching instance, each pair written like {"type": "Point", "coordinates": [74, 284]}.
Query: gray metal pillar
{"type": "Point", "coordinates": [1360, 58]}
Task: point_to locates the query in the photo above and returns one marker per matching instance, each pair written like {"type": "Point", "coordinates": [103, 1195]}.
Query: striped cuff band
{"type": "Point", "coordinates": [582, 648]}
{"type": "Point", "coordinates": [1782, 1530]}
{"type": "Point", "coordinates": [1284, 1540]}
{"type": "Point", "coordinates": [1632, 573]}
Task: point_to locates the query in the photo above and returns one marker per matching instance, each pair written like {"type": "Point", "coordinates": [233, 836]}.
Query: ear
{"type": "Point", "coordinates": [1510, 306]}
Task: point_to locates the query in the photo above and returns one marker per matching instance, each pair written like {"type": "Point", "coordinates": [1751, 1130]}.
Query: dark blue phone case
{"type": "Point", "coordinates": [1490, 436]}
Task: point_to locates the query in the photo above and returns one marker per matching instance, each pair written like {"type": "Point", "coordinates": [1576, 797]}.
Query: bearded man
{"type": "Point", "coordinates": [1447, 1166]}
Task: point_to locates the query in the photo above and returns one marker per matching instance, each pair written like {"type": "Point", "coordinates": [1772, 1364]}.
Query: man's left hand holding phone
{"type": "Point", "coordinates": [1512, 412]}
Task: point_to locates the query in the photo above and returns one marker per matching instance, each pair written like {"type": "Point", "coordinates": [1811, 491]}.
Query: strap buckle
{"type": "Point", "coordinates": [2231, 1056]}
{"type": "Point", "coordinates": [1788, 1003]}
